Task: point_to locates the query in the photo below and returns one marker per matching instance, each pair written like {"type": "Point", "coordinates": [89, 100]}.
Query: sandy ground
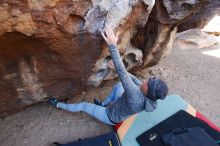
{"type": "Point", "coordinates": [189, 73]}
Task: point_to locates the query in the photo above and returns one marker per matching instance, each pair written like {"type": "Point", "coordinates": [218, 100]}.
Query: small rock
{"type": "Point", "coordinates": [15, 12]}
{"type": "Point", "coordinates": [160, 69]}
{"type": "Point", "coordinates": [56, 11]}
{"type": "Point", "coordinates": [5, 5]}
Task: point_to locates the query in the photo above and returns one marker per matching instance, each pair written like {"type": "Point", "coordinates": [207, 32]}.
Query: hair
{"type": "Point", "coordinates": [157, 89]}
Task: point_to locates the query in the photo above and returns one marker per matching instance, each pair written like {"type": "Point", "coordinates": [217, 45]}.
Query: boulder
{"type": "Point", "coordinates": [54, 48]}
{"type": "Point", "coordinates": [194, 39]}
{"type": "Point", "coordinates": [201, 18]}
{"type": "Point", "coordinates": [156, 38]}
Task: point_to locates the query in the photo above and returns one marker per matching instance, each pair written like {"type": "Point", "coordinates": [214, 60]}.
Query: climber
{"type": "Point", "coordinates": [127, 97]}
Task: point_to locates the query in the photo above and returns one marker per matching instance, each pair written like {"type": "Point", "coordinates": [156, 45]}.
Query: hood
{"type": "Point", "coordinates": [149, 105]}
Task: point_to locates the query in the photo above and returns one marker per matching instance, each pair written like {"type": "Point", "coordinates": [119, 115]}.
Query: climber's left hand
{"type": "Point", "coordinates": [111, 65]}
{"type": "Point", "coordinates": [109, 36]}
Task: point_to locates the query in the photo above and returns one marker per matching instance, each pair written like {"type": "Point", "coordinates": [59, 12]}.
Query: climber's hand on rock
{"type": "Point", "coordinates": [109, 36]}
{"type": "Point", "coordinates": [111, 65]}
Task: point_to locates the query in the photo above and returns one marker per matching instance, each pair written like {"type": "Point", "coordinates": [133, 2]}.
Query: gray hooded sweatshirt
{"type": "Point", "coordinates": [133, 100]}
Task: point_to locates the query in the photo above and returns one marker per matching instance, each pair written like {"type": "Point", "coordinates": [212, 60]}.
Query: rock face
{"type": "Point", "coordinates": [53, 47]}
{"type": "Point", "coordinates": [201, 18]}
{"type": "Point", "coordinates": [194, 39]}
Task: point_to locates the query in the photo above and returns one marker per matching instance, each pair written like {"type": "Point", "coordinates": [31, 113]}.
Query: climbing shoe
{"type": "Point", "coordinates": [97, 102]}
{"type": "Point", "coordinates": [53, 101]}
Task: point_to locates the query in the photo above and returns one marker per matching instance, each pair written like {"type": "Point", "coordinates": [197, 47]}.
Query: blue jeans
{"type": "Point", "coordinates": [96, 111]}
